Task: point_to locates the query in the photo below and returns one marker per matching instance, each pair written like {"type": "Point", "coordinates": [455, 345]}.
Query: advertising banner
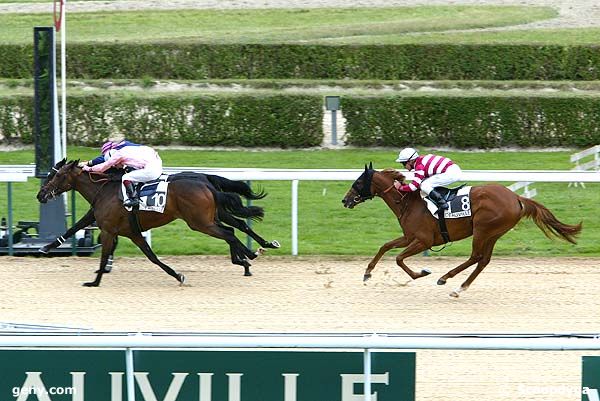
{"type": "Point", "coordinates": [191, 375]}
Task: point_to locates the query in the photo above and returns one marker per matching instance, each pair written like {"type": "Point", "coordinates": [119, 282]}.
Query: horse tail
{"type": "Point", "coordinates": [238, 187]}
{"type": "Point", "coordinates": [547, 222]}
{"type": "Point", "coordinates": [232, 204]}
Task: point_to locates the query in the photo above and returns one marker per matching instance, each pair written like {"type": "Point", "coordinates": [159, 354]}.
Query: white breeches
{"type": "Point", "coordinates": [452, 174]}
{"type": "Point", "coordinates": [151, 172]}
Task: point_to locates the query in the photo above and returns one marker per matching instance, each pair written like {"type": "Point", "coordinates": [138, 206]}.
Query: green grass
{"type": "Point", "coordinates": [270, 25]}
{"type": "Point", "coordinates": [325, 227]}
{"type": "Point", "coordinates": [574, 36]}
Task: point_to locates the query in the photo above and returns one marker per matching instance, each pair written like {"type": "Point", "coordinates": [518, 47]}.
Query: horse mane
{"type": "Point", "coordinates": [72, 163]}
{"type": "Point", "coordinates": [394, 174]}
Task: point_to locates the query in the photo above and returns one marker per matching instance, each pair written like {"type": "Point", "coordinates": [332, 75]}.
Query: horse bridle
{"type": "Point", "coordinates": [364, 193]}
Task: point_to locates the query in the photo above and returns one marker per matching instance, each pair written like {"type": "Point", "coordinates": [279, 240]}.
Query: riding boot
{"type": "Point", "coordinates": [438, 199]}
{"type": "Point", "coordinates": [133, 200]}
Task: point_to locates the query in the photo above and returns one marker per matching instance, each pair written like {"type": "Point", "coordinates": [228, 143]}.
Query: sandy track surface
{"type": "Point", "coordinates": [327, 295]}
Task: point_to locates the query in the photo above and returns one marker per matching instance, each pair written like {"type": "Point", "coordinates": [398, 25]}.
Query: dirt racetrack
{"type": "Point", "coordinates": [300, 295]}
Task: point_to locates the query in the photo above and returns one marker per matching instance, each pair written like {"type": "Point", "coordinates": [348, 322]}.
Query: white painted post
{"type": "Point", "coordinates": [367, 373]}
{"type": "Point", "coordinates": [129, 368]}
{"type": "Point", "coordinates": [295, 217]}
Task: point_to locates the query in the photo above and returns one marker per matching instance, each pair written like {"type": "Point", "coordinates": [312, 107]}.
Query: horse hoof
{"type": "Point", "coordinates": [441, 281]}
{"type": "Point", "coordinates": [247, 274]}
{"type": "Point", "coordinates": [454, 294]}
{"type": "Point", "coordinates": [275, 244]}
{"type": "Point", "coordinates": [106, 270]}
{"type": "Point", "coordinates": [91, 284]}
{"type": "Point", "coordinates": [181, 279]}
{"type": "Point", "coordinates": [43, 251]}
{"type": "Point", "coordinates": [366, 277]}
{"type": "Point", "coordinates": [425, 272]}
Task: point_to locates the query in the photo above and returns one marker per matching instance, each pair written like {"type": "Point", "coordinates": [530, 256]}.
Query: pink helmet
{"type": "Point", "coordinates": [107, 146]}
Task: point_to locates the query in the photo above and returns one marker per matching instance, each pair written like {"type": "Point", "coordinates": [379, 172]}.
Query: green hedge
{"type": "Point", "coordinates": [294, 121]}
{"type": "Point", "coordinates": [395, 62]}
{"type": "Point", "coordinates": [249, 121]}
{"type": "Point", "coordinates": [472, 122]}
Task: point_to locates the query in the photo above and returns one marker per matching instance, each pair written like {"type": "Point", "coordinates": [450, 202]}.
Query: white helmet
{"type": "Point", "coordinates": [407, 154]}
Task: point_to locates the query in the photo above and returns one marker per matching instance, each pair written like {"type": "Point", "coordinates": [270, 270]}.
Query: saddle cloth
{"type": "Point", "coordinates": [153, 194]}
{"type": "Point", "coordinates": [459, 203]}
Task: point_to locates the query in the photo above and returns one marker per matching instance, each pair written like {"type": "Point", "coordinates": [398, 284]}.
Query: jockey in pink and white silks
{"type": "Point", "coordinates": [430, 171]}
{"type": "Point", "coordinates": [143, 161]}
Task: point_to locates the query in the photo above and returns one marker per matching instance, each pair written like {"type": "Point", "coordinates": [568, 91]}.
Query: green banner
{"type": "Point", "coordinates": [62, 375]}
{"type": "Point", "coordinates": [590, 378]}
{"type": "Point", "coordinates": [205, 376]}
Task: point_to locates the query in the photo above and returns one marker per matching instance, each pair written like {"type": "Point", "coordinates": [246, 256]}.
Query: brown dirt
{"type": "Point", "coordinates": [327, 295]}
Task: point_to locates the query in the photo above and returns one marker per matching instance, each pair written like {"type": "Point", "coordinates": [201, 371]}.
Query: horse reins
{"type": "Point", "coordinates": [104, 180]}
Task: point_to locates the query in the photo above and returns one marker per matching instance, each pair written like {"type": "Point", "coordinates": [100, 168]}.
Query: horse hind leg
{"type": "Point", "coordinates": [243, 227]}
{"type": "Point", "coordinates": [239, 252]}
{"type": "Point", "coordinates": [477, 252]}
{"type": "Point", "coordinates": [484, 260]}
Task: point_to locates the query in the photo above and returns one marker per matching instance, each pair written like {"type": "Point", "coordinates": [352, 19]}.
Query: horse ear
{"type": "Point", "coordinates": [370, 165]}
{"type": "Point", "coordinates": [366, 167]}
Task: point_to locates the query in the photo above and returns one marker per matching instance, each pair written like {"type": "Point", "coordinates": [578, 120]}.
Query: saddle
{"type": "Point", "coordinates": [449, 193]}
{"type": "Point", "coordinates": [459, 206]}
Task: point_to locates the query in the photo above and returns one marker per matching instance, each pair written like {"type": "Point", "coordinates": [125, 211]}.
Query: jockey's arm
{"type": "Point", "coordinates": [102, 167]}
{"type": "Point", "coordinates": [95, 161]}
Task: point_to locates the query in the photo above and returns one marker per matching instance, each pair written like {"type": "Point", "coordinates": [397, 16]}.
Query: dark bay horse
{"type": "Point", "coordinates": [495, 210]}
{"type": "Point", "coordinates": [192, 200]}
{"type": "Point", "coordinates": [221, 184]}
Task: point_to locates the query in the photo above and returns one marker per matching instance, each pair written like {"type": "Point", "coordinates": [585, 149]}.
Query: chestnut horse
{"type": "Point", "coordinates": [192, 200]}
{"type": "Point", "coordinates": [494, 211]}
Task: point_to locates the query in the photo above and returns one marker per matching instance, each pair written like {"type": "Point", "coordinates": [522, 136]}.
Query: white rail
{"type": "Point", "coordinates": [16, 173]}
{"type": "Point", "coordinates": [252, 174]}
{"type": "Point", "coordinates": [363, 342]}
{"type": "Point", "coordinates": [295, 175]}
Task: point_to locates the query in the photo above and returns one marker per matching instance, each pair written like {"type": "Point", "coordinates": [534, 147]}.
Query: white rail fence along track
{"type": "Point", "coordinates": [20, 173]}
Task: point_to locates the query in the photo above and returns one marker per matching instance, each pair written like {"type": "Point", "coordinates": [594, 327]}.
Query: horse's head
{"type": "Point", "coordinates": [371, 183]}
{"type": "Point", "coordinates": [361, 188]}
{"type": "Point", "coordinates": [60, 179]}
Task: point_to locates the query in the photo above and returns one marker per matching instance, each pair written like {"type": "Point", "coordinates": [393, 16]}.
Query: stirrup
{"type": "Point", "coordinates": [131, 202]}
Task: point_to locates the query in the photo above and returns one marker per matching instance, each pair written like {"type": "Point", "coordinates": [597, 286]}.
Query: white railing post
{"type": "Point", "coordinates": [294, 217]}
{"type": "Point", "coordinates": [367, 373]}
{"type": "Point", "coordinates": [129, 376]}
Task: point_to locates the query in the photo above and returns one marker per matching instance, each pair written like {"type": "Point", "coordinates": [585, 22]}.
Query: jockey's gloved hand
{"type": "Point", "coordinates": [89, 163]}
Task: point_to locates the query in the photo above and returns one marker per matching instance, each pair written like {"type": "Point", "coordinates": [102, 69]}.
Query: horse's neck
{"type": "Point", "coordinates": [89, 189]}
{"type": "Point", "coordinates": [400, 203]}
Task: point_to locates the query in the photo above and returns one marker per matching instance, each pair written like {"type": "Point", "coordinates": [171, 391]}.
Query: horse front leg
{"type": "Point", "coordinates": [397, 243]}
{"type": "Point", "coordinates": [108, 244]}
{"type": "Point", "coordinates": [145, 248]}
{"type": "Point", "coordinates": [415, 246]}
{"type": "Point", "coordinates": [82, 223]}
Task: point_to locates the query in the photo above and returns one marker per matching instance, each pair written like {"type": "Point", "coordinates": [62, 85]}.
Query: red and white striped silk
{"type": "Point", "coordinates": [426, 166]}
